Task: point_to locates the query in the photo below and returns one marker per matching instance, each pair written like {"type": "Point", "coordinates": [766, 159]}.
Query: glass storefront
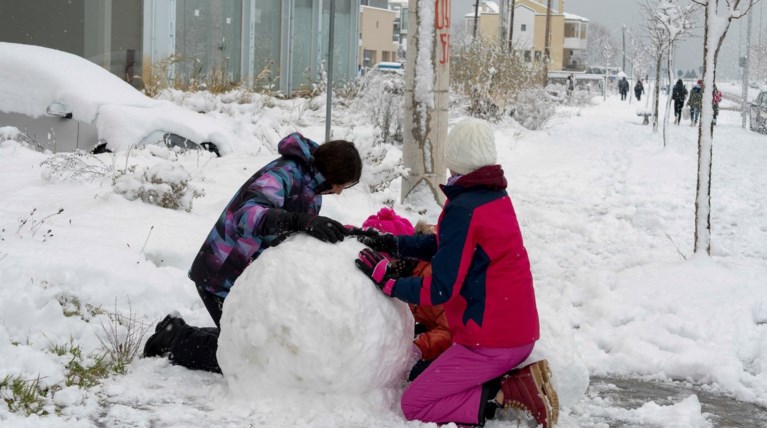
{"type": "Point", "coordinates": [208, 45]}
{"type": "Point", "coordinates": [205, 40]}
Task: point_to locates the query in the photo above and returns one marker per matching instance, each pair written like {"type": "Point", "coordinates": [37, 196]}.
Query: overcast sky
{"type": "Point", "coordinates": [615, 13]}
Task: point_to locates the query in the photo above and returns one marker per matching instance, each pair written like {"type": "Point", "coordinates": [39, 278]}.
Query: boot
{"type": "Point", "coordinates": [158, 344]}
{"type": "Point", "coordinates": [530, 389]}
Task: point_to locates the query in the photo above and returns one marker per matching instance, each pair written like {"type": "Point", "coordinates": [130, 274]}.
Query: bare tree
{"type": "Point", "coordinates": [718, 16]}
{"type": "Point", "coordinates": [667, 23]}
{"type": "Point", "coordinates": [637, 53]}
{"type": "Point", "coordinates": [602, 48]}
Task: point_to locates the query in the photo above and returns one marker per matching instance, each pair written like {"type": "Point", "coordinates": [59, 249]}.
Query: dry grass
{"type": "Point", "coordinates": [491, 77]}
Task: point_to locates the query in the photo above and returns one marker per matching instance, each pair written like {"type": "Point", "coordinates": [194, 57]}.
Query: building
{"type": "Point", "coordinates": [383, 31]}
{"type": "Point", "coordinates": [378, 42]}
{"type": "Point", "coordinates": [569, 32]}
{"type": "Point", "coordinates": [234, 40]}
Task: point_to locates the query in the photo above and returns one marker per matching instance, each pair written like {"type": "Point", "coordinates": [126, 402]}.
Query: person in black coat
{"type": "Point", "coordinates": [678, 95]}
{"type": "Point", "coordinates": [639, 89]}
{"type": "Point", "coordinates": [623, 87]}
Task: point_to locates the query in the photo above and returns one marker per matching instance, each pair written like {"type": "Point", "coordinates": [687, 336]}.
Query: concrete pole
{"type": "Point", "coordinates": [745, 106]}
{"type": "Point", "coordinates": [425, 127]}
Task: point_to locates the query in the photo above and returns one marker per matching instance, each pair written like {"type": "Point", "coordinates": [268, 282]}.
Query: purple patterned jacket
{"type": "Point", "coordinates": [289, 183]}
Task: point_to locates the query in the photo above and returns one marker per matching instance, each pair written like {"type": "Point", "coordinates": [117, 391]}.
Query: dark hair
{"type": "Point", "coordinates": [339, 161]}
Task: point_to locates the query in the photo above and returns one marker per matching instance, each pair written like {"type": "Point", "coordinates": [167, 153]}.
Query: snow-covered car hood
{"type": "Point", "coordinates": [32, 78]}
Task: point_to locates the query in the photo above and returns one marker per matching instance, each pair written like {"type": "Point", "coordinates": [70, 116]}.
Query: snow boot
{"type": "Point", "coordinates": [530, 389]}
{"type": "Point", "coordinates": [158, 344]}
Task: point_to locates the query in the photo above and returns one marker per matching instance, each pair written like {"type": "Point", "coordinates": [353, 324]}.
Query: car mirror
{"type": "Point", "coordinates": [58, 109]}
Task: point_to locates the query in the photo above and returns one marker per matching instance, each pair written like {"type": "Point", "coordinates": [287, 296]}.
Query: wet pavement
{"type": "Point", "coordinates": [724, 411]}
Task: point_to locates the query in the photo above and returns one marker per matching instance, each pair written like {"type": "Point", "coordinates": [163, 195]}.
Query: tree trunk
{"type": "Point", "coordinates": [669, 65]}
{"type": "Point", "coordinates": [706, 128]}
{"type": "Point", "coordinates": [426, 102]}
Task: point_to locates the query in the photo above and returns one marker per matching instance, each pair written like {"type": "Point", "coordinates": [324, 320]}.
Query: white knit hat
{"type": "Point", "coordinates": [470, 146]}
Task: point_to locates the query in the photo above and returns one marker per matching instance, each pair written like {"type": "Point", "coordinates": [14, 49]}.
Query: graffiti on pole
{"type": "Point", "coordinates": [442, 25]}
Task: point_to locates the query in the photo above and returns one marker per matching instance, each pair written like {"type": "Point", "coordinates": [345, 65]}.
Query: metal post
{"type": "Point", "coordinates": [329, 106]}
{"type": "Point", "coordinates": [744, 106]}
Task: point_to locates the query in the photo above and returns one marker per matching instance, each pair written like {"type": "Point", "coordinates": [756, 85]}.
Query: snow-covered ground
{"type": "Point", "coordinates": [607, 216]}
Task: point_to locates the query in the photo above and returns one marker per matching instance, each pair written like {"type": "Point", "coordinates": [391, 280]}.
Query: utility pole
{"type": "Point", "coordinates": [501, 22]}
{"type": "Point", "coordinates": [747, 62]}
{"type": "Point", "coordinates": [511, 26]}
{"type": "Point", "coordinates": [426, 101]}
{"type": "Point", "coordinates": [476, 17]}
{"type": "Point", "coordinates": [623, 69]}
{"type": "Point", "coordinates": [547, 45]}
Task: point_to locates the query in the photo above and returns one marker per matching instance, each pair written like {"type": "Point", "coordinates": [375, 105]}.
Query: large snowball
{"type": "Point", "coordinates": [302, 317]}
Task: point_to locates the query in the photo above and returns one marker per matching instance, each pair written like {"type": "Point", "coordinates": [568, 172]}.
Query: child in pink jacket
{"type": "Point", "coordinates": [481, 275]}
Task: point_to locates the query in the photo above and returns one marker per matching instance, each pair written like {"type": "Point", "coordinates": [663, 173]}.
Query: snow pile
{"type": "Point", "coordinates": [302, 320]}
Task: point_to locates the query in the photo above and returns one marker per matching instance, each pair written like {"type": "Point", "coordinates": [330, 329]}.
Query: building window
{"type": "Point", "coordinates": [527, 56]}
{"type": "Point", "coordinates": [537, 55]}
{"type": "Point", "coordinates": [523, 27]}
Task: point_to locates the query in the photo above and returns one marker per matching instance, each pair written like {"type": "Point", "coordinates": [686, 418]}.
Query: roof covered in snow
{"type": "Point", "coordinates": [574, 17]}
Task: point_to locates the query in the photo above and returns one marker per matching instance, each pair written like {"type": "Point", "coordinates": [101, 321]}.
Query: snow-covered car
{"type": "Point", "coordinates": [757, 113]}
{"type": "Point", "coordinates": [64, 102]}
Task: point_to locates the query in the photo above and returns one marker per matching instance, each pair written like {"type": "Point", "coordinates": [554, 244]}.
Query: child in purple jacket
{"type": "Point", "coordinates": [481, 275]}
{"type": "Point", "coordinates": [283, 197]}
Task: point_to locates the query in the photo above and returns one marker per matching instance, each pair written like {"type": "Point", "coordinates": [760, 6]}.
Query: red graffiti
{"type": "Point", "coordinates": [444, 41]}
{"type": "Point", "coordinates": [441, 14]}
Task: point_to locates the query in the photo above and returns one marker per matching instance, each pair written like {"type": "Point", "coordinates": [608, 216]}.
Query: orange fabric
{"type": "Point", "coordinates": [437, 337]}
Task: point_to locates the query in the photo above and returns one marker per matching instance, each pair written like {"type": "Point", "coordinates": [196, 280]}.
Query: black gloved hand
{"type": "Point", "coordinates": [386, 242]}
{"type": "Point", "coordinates": [377, 268]}
{"type": "Point", "coordinates": [282, 223]}
{"type": "Point", "coordinates": [325, 229]}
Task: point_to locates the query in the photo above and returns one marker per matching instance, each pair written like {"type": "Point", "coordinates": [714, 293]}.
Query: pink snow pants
{"type": "Point", "coordinates": [450, 389]}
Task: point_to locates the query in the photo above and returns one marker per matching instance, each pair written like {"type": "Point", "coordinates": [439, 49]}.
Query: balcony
{"type": "Point", "coordinates": [575, 43]}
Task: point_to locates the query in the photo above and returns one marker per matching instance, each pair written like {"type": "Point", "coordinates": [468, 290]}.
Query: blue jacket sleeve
{"type": "Point", "coordinates": [421, 247]}
{"type": "Point", "coordinates": [448, 265]}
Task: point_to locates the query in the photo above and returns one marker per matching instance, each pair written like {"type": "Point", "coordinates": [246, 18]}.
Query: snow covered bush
{"type": "Point", "coordinates": [11, 133]}
{"type": "Point", "coordinates": [382, 162]}
{"type": "Point", "coordinates": [380, 100]}
{"type": "Point", "coordinates": [533, 108]}
{"type": "Point", "coordinates": [165, 184]}
{"type": "Point", "coordinates": [76, 166]}
{"type": "Point", "coordinates": [490, 77]}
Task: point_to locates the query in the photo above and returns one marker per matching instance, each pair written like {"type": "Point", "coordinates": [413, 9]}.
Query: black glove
{"type": "Point", "coordinates": [386, 243]}
{"type": "Point", "coordinates": [325, 229]}
{"type": "Point", "coordinates": [377, 268]}
{"type": "Point", "coordinates": [280, 222]}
